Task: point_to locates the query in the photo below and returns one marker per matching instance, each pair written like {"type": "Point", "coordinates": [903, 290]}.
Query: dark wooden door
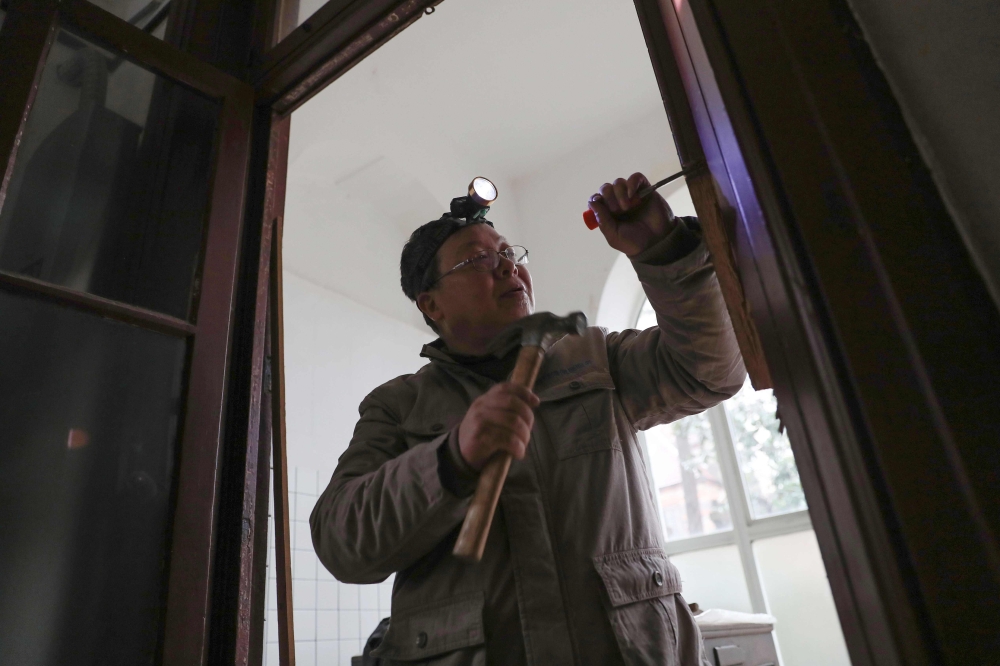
{"type": "Point", "coordinates": [878, 330]}
{"type": "Point", "coordinates": [121, 206]}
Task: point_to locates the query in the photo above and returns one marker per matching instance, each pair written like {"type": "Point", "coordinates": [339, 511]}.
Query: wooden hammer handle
{"type": "Point", "coordinates": [479, 516]}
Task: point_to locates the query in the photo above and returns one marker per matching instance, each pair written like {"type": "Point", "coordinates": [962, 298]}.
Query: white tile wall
{"type": "Point", "coordinates": [332, 619]}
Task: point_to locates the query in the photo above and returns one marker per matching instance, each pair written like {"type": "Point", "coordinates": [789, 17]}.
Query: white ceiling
{"type": "Point", "coordinates": [499, 88]}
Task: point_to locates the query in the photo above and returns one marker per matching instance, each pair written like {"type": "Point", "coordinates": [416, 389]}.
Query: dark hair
{"type": "Point", "coordinates": [418, 266]}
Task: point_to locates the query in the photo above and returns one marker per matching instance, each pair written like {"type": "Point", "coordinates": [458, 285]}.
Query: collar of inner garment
{"type": "Point", "coordinates": [498, 349]}
{"type": "Point", "coordinates": [503, 344]}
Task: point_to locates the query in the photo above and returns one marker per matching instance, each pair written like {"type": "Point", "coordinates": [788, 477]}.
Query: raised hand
{"type": "Point", "coordinates": [631, 225]}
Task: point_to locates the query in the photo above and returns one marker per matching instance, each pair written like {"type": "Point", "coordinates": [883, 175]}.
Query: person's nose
{"type": "Point", "coordinates": [506, 267]}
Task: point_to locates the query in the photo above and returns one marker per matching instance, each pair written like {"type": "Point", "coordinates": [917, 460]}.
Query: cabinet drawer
{"type": "Point", "coordinates": [743, 650]}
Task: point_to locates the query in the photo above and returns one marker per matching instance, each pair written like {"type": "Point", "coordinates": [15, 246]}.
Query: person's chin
{"type": "Point", "coordinates": [516, 307]}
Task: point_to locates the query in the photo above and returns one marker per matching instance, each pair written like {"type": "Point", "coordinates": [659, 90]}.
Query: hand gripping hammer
{"type": "Point", "coordinates": [538, 332]}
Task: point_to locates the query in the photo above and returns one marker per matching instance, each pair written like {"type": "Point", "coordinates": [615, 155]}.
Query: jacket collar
{"type": "Point", "coordinates": [501, 345]}
{"type": "Point", "coordinates": [438, 352]}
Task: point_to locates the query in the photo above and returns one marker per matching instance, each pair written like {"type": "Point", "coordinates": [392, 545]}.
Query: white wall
{"type": "Point", "coordinates": [942, 60]}
{"type": "Point", "coordinates": [353, 201]}
{"type": "Point", "coordinates": [336, 352]}
{"type": "Point", "coordinates": [546, 102]}
{"type": "Point", "coordinates": [569, 263]}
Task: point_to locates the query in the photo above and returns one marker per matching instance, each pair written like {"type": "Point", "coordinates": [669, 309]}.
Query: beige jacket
{"type": "Point", "coordinates": [574, 570]}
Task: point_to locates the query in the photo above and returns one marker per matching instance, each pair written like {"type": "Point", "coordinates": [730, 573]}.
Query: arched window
{"type": "Point", "coordinates": [735, 519]}
{"type": "Point", "coordinates": [693, 493]}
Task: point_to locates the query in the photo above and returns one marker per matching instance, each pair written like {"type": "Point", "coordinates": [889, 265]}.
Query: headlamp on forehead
{"type": "Point", "coordinates": [482, 193]}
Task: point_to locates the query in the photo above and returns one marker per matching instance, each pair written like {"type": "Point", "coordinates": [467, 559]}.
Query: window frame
{"type": "Point", "coordinates": [745, 529]}
{"type": "Point", "coordinates": [29, 29]}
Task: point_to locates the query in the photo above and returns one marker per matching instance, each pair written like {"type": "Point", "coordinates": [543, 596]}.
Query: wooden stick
{"type": "Point", "coordinates": [282, 541]}
{"type": "Point", "coordinates": [471, 540]}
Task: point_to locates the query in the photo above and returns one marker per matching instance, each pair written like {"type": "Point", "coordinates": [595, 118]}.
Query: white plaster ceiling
{"type": "Point", "coordinates": [499, 88]}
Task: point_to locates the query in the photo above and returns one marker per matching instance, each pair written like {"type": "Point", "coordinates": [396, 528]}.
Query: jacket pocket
{"type": "Point", "coordinates": [636, 582]}
{"type": "Point", "coordinates": [579, 413]}
{"type": "Point", "coordinates": [451, 630]}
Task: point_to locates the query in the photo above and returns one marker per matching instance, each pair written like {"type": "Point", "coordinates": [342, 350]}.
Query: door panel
{"type": "Point", "coordinates": [89, 450]}
{"type": "Point", "coordinates": [124, 181]}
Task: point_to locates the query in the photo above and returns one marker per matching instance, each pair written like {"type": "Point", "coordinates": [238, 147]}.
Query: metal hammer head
{"type": "Point", "coordinates": [543, 328]}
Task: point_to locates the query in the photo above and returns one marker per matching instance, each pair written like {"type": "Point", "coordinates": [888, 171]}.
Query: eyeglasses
{"type": "Point", "coordinates": [488, 260]}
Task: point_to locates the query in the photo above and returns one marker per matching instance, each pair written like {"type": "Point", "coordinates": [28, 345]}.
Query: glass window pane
{"type": "Point", "coordinates": [110, 189]}
{"type": "Point", "coordinates": [688, 482]}
{"type": "Point", "coordinates": [765, 456]}
{"type": "Point", "coordinates": [798, 595]}
{"type": "Point", "coordinates": [148, 15]}
{"type": "Point", "coordinates": [307, 8]}
{"type": "Point", "coordinates": [89, 415]}
{"type": "Point", "coordinates": [713, 578]}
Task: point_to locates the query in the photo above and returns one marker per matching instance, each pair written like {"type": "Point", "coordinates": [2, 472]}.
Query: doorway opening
{"type": "Point", "coordinates": [549, 105]}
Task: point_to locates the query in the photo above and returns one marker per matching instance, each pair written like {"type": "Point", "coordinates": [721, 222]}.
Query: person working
{"type": "Point", "coordinates": [574, 570]}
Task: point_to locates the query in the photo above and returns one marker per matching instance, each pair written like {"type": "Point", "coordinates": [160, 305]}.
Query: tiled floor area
{"type": "Point", "coordinates": [332, 619]}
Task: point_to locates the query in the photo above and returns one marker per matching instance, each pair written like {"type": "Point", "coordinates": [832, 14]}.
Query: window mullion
{"type": "Point", "coordinates": [739, 507]}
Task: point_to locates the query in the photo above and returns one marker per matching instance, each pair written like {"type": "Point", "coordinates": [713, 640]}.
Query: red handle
{"type": "Point", "coordinates": [590, 219]}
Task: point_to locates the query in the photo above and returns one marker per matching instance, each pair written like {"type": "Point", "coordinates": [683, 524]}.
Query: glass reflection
{"type": "Point", "coordinates": [764, 453]}
{"type": "Point", "coordinates": [148, 15]}
{"type": "Point", "coordinates": [89, 421]}
{"type": "Point", "coordinates": [110, 188]}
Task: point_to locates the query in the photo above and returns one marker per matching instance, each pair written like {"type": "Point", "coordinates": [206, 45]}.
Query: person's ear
{"type": "Point", "coordinates": [429, 306]}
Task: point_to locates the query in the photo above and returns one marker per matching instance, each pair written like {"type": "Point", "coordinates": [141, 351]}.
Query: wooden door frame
{"type": "Point", "coordinates": [801, 360]}
{"type": "Point", "coordinates": [733, 64]}
{"type": "Point", "coordinates": [883, 370]}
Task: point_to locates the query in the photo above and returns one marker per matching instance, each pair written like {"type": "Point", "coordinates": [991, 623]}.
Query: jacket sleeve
{"type": "Point", "coordinates": [385, 506]}
{"type": "Point", "coordinates": [690, 361]}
